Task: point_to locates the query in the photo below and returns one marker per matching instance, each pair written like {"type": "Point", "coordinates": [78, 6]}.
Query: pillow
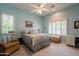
{"type": "Point", "coordinates": [26, 31]}
{"type": "Point", "coordinates": [34, 31]}
{"type": "Point", "coordinates": [31, 31]}
{"type": "Point", "coordinates": [6, 38]}
{"type": "Point", "coordinates": [13, 37]}
{"type": "Point", "coordinates": [9, 38]}
{"type": "Point", "coordinates": [3, 39]}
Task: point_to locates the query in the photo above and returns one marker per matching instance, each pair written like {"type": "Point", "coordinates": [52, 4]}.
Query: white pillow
{"type": "Point", "coordinates": [26, 31]}
{"type": "Point", "coordinates": [34, 31]}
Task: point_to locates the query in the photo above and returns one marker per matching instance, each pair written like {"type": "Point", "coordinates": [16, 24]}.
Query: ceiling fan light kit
{"type": "Point", "coordinates": [39, 11]}
{"type": "Point", "coordinates": [53, 9]}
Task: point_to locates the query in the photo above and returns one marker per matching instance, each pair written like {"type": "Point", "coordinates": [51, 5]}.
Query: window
{"type": "Point", "coordinates": [6, 23]}
{"type": "Point", "coordinates": [58, 27]}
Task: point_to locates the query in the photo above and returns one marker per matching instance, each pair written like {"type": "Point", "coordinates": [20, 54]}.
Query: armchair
{"type": "Point", "coordinates": [9, 48]}
{"type": "Point", "coordinates": [8, 45]}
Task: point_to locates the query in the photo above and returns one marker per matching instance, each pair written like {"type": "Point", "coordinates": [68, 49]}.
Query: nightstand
{"type": "Point", "coordinates": [55, 39]}
{"type": "Point", "coordinates": [20, 40]}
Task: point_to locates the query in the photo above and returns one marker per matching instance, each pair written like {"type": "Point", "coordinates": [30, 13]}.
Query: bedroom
{"type": "Point", "coordinates": [21, 13]}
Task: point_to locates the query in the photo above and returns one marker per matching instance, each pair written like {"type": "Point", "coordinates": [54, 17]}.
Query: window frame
{"type": "Point", "coordinates": [60, 32]}
{"type": "Point", "coordinates": [1, 14]}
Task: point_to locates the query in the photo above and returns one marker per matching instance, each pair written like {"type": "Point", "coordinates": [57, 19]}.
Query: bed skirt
{"type": "Point", "coordinates": [42, 43]}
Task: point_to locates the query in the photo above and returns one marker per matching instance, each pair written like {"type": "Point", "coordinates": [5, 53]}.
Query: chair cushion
{"type": "Point", "coordinates": [10, 44]}
{"type": "Point", "coordinates": [12, 49]}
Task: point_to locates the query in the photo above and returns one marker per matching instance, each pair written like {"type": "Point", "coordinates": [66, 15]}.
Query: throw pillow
{"type": "Point", "coordinates": [8, 37]}
{"type": "Point", "coordinates": [13, 38]}
{"type": "Point", "coordinates": [3, 39]}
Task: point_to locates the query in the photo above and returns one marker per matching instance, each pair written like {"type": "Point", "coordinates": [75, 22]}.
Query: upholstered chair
{"type": "Point", "coordinates": [8, 45]}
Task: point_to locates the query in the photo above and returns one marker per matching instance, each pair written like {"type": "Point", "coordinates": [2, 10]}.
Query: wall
{"type": "Point", "coordinates": [20, 16]}
{"type": "Point", "coordinates": [72, 14]}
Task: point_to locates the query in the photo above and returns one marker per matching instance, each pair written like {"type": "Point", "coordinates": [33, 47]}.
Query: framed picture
{"type": "Point", "coordinates": [76, 24]}
{"type": "Point", "coordinates": [28, 24]}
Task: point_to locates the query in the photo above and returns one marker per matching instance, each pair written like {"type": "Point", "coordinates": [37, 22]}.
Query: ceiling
{"type": "Point", "coordinates": [27, 7]}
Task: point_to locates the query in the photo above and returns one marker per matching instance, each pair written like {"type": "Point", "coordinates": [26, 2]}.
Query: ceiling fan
{"type": "Point", "coordinates": [41, 8]}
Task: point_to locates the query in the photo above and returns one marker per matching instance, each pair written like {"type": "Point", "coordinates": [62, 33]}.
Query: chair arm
{"type": "Point", "coordinates": [2, 48]}
{"type": "Point", "coordinates": [2, 51]}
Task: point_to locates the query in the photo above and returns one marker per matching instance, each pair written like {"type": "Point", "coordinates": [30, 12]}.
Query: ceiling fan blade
{"type": "Point", "coordinates": [45, 9]}
{"type": "Point", "coordinates": [42, 5]}
{"type": "Point", "coordinates": [34, 5]}
{"type": "Point", "coordinates": [34, 10]}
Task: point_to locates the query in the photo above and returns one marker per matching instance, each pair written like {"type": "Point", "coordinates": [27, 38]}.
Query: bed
{"type": "Point", "coordinates": [36, 41]}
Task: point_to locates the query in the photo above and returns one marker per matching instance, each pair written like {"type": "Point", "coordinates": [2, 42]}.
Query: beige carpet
{"type": "Point", "coordinates": [52, 50]}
